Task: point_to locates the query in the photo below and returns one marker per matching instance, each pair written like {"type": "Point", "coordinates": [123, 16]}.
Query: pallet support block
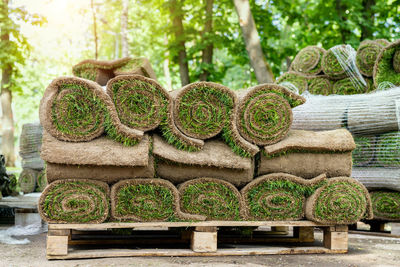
{"type": "Point", "coordinates": [57, 242]}
{"type": "Point", "coordinates": [336, 237]}
{"type": "Point", "coordinates": [204, 239]}
{"type": "Point", "coordinates": [395, 228]}
{"type": "Point", "coordinates": [304, 234]}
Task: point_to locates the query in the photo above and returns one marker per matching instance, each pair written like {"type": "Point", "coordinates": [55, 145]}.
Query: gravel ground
{"type": "Point", "coordinates": [363, 251]}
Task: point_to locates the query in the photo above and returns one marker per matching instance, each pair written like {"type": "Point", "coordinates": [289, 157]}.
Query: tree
{"type": "Point", "coordinates": [253, 46]}
{"type": "Point", "coordinates": [124, 28]}
{"type": "Point", "coordinates": [207, 52]}
{"type": "Point", "coordinates": [176, 13]}
{"type": "Point", "coordinates": [13, 49]}
{"type": "Point", "coordinates": [96, 49]}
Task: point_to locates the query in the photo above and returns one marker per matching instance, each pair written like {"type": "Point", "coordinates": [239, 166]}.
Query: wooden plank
{"type": "Point", "coordinates": [204, 241]}
{"type": "Point", "coordinates": [138, 225]}
{"type": "Point", "coordinates": [395, 228]}
{"type": "Point", "coordinates": [57, 245]}
{"type": "Point", "coordinates": [361, 232]}
{"type": "Point", "coordinates": [102, 253]}
{"type": "Point", "coordinates": [341, 228]}
{"type": "Point", "coordinates": [206, 229]}
{"type": "Point", "coordinates": [59, 232]}
{"type": "Point", "coordinates": [335, 240]}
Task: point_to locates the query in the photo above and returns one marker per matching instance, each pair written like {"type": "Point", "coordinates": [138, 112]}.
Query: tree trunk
{"type": "Point", "coordinates": [124, 28]}
{"type": "Point", "coordinates": [253, 46]}
{"type": "Point", "coordinates": [7, 144]}
{"type": "Point", "coordinates": [340, 8]}
{"type": "Point", "coordinates": [177, 17]}
{"type": "Point", "coordinates": [368, 17]}
{"type": "Point", "coordinates": [167, 73]}
{"type": "Point", "coordinates": [94, 29]}
{"type": "Point", "coordinates": [207, 52]}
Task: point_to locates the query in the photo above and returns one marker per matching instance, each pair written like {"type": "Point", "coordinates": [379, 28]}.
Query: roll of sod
{"type": "Point", "coordinates": [366, 56]}
{"type": "Point", "coordinates": [294, 80]}
{"type": "Point", "coordinates": [377, 178]}
{"type": "Point", "coordinates": [214, 198]}
{"type": "Point", "coordinates": [142, 104]}
{"type": "Point", "coordinates": [278, 196]}
{"type": "Point", "coordinates": [386, 65]}
{"type": "Point", "coordinates": [386, 205]}
{"type": "Point", "coordinates": [97, 70]}
{"type": "Point", "coordinates": [77, 110]}
{"type": "Point", "coordinates": [382, 42]}
{"type": "Point", "coordinates": [319, 85]}
{"type": "Point", "coordinates": [265, 113]}
{"type": "Point", "coordinates": [147, 200]}
{"type": "Point", "coordinates": [41, 181]}
{"type": "Point", "coordinates": [102, 71]}
{"type": "Point", "coordinates": [365, 150]}
{"type": "Point", "coordinates": [204, 109]}
{"type": "Point", "coordinates": [342, 200]}
{"type": "Point", "coordinates": [27, 180]}
{"type": "Point", "coordinates": [346, 87]}
{"type": "Point", "coordinates": [75, 201]}
{"type": "Point", "coordinates": [331, 65]}
{"type": "Point", "coordinates": [308, 60]}
{"type": "Point", "coordinates": [388, 150]}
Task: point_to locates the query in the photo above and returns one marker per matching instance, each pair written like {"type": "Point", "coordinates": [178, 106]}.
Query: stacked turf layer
{"type": "Point", "coordinates": [308, 154]}
{"type": "Point", "coordinates": [102, 71]}
{"type": "Point", "coordinates": [100, 159]}
{"type": "Point", "coordinates": [278, 196]}
{"type": "Point", "coordinates": [216, 160]}
{"type": "Point", "coordinates": [30, 142]}
{"type": "Point", "coordinates": [143, 104]}
{"type": "Point", "coordinates": [265, 113]}
{"type": "Point", "coordinates": [342, 200]}
{"type": "Point", "coordinates": [78, 110]}
{"type": "Point", "coordinates": [203, 110]}
{"type": "Point", "coordinates": [309, 60]}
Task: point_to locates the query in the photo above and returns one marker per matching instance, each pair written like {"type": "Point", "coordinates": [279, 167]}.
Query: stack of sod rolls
{"type": "Point", "coordinates": [343, 70]}
{"type": "Point", "coordinates": [32, 177]}
{"type": "Point", "coordinates": [135, 152]}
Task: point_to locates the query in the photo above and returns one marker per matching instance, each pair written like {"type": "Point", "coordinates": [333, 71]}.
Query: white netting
{"type": "Point", "coordinates": [346, 56]}
{"type": "Point", "coordinates": [377, 178]}
{"type": "Point", "coordinates": [290, 86]}
{"type": "Point", "coordinates": [363, 114]}
{"type": "Point", "coordinates": [9, 235]}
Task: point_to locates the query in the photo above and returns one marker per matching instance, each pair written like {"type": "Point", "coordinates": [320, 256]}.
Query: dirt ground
{"type": "Point", "coordinates": [363, 251]}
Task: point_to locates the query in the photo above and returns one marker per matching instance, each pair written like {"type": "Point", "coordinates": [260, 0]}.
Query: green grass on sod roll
{"type": "Point", "coordinates": [130, 65]}
{"type": "Point", "coordinates": [331, 65]}
{"type": "Point", "coordinates": [366, 56]}
{"type": "Point", "coordinates": [297, 79]}
{"type": "Point", "coordinates": [388, 150]}
{"type": "Point", "coordinates": [319, 85]}
{"type": "Point", "coordinates": [365, 150]}
{"type": "Point", "coordinates": [346, 87]}
{"type": "Point", "coordinates": [79, 112]}
{"type": "Point", "coordinates": [386, 205]}
{"type": "Point", "coordinates": [384, 69]}
{"type": "Point", "coordinates": [308, 60]}
{"type": "Point", "coordinates": [279, 199]}
{"type": "Point", "coordinates": [213, 199]}
{"type": "Point", "coordinates": [343, 201]}
{"type": "Point", "coordinates": [75, 201]}
{"type": "Point", "coordinates": [86, 71]}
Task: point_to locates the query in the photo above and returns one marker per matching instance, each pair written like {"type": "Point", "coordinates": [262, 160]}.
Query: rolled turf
{"type": "Point", "coordinates": [365, 150]}
{"type": "Point", "coordinates": [75, 201]}
{"type": "Point", "coordinates": [78, 110]}
{"type": "Point", "coordinates": [386, 205]}
{"type": "Point", "coordinates": [319, 85]}
{"type": "Point", "coordinates": [342, 200]}
{"type": "Point", "coordinates": [102, 71]}
{"type": "Point", "coordinates": [265, 113]}
{"type": "Point", "coordinates": [307, 154]}
{"type": "Point", "coordinates": [147, 200]}
{"type": "Point", "coordinates": [214, 198]}
{"type": "Point", "coordinates": [27, 180]}
{"type": "Point", "coordinates": [366, 56]}
{"type": "Point", "coordinates": [143, 104]}
{"type": "Point", "coordinates": [386, 65]}
{"type": "Point", "coordinates": [278, 196]}
{"type": "Point", "coordinates": [293, 81]}
{"type": "Point", "coordinates": [203, 110]}
{"type": "Point", "coordinates": [41, 181]}
{"type": "Point", "coordinates": [346, 87]}
{"type": "Point", "coordinates": [330, 64]}
{"type": "Point", "coordinates": [388, 150]}
{"type": "Point", "coordinates": [308, 60]}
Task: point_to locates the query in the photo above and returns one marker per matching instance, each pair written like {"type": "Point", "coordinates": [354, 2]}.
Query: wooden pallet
{"type": "Point", "coordinates": [63, 239]}
{"type": "Point", "coordinates": [376, 228]}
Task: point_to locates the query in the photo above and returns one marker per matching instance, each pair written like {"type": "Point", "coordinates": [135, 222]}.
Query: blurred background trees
{"type": "Point", "coordinates": [185, 40]}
